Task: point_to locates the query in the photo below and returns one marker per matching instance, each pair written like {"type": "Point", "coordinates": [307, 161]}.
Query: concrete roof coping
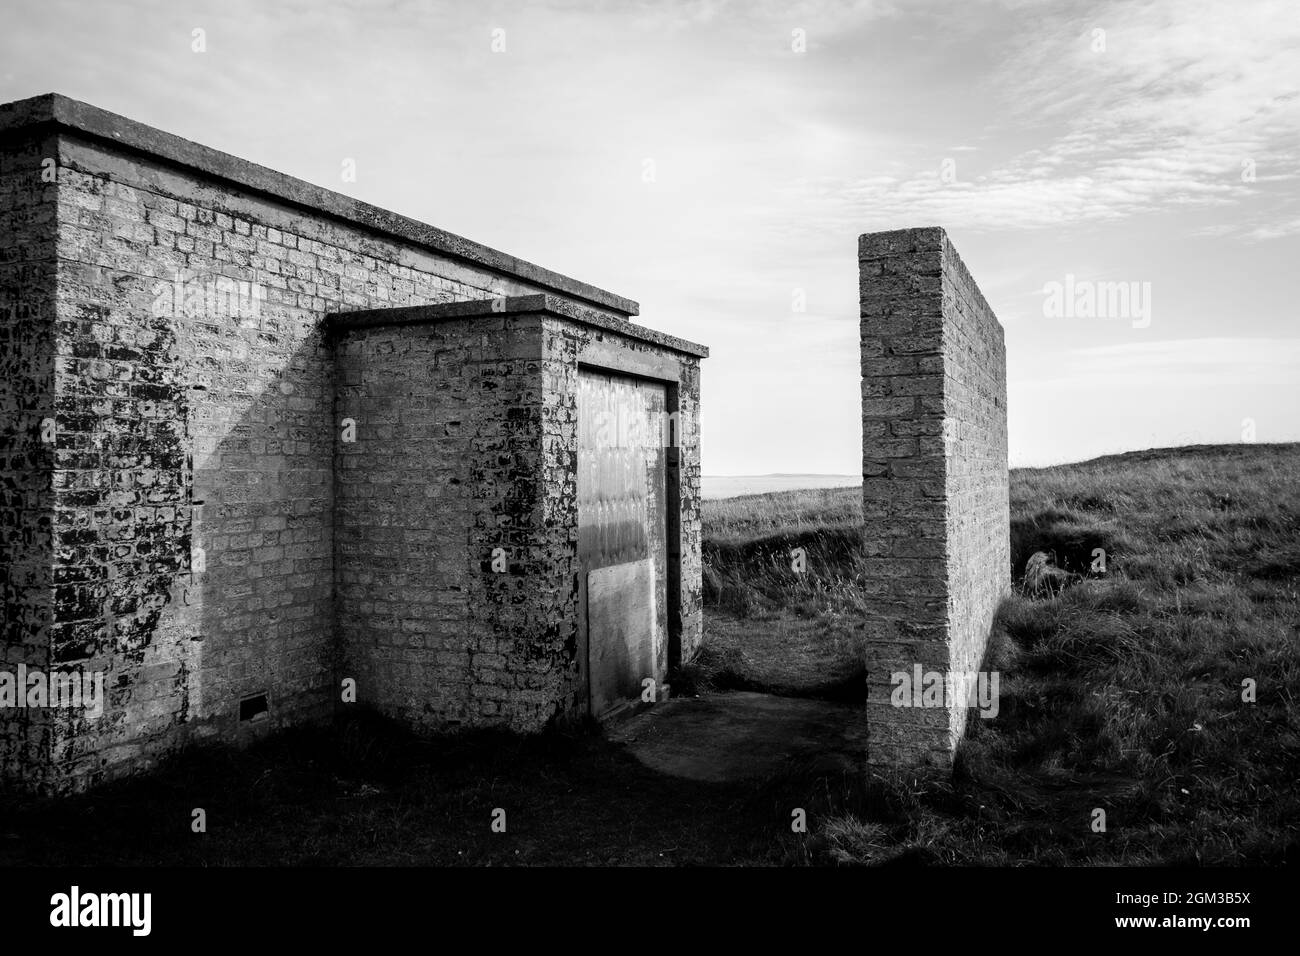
{"type": "Point", "coordinates": [55, 110]}
{"type": "Point", "coordinates": [508, 306]}
{"type": "Point", "coordinates": [875, 245]}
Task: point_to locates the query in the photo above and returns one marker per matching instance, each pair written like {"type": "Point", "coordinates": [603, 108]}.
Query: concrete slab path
{"type": "Point", "coordinates": [737, 735]}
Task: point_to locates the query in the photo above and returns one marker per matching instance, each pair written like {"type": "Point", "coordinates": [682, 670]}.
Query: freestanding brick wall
{"type": "Point", "coordinates": [935, 492]}
{"type": "Point", "coordinates": [164, 312]}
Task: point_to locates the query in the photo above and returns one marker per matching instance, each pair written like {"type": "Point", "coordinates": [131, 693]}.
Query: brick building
{"type": "Point", "coordinates": [265, 446]}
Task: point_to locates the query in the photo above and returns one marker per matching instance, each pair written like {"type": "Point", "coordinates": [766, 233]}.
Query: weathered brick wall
{"type": "Point", "coordinates": [691, 531]}
{"type": "Point", "coordinates": [979, 508]}
{"type": "Point", "coordinates": [935, 493]}
{"type": "Point", "coordinates": [27, 276]}
{"type": "Point", "coordinates": [444, 468]}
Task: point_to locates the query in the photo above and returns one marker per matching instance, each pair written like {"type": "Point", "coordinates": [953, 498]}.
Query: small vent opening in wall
{"type": "Point", "coordinates": [252, 707]}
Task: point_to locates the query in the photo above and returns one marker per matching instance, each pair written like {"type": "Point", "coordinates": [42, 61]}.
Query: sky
{"type": "Point", "coordinates": [1122, 179]}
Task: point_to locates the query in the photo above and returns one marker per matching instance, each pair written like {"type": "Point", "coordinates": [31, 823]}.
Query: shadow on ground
{"type": "Point", "coordinates": [367, 793]}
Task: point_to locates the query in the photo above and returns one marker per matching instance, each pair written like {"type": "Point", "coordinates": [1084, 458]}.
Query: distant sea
{"type": "Point", "coordinates": [729, 486]}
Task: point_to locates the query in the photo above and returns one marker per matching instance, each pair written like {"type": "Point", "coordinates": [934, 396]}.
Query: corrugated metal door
{"type": "Point", "coordinates": [622, 540]}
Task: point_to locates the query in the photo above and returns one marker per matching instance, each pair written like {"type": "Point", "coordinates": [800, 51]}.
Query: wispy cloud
{"type": "Point", "coordinates": [1127, 110]}
{"type": "Point", "coordinates": [1178, 363]}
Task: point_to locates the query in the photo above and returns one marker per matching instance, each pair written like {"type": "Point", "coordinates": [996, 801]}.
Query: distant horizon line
{"type": "Point", "coordinates": [1056, 464]}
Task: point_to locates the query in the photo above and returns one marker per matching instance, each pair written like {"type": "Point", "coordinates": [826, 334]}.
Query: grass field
{"type": "Point", "coordinates": [1123, 692]}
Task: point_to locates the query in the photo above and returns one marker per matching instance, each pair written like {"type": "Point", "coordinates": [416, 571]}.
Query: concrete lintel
{"type": "Point", "coordinates": [505, 307]}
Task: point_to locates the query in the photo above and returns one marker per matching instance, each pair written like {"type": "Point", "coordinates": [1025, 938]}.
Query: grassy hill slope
{"type": "Point", "coordinates": [1122, 692]}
